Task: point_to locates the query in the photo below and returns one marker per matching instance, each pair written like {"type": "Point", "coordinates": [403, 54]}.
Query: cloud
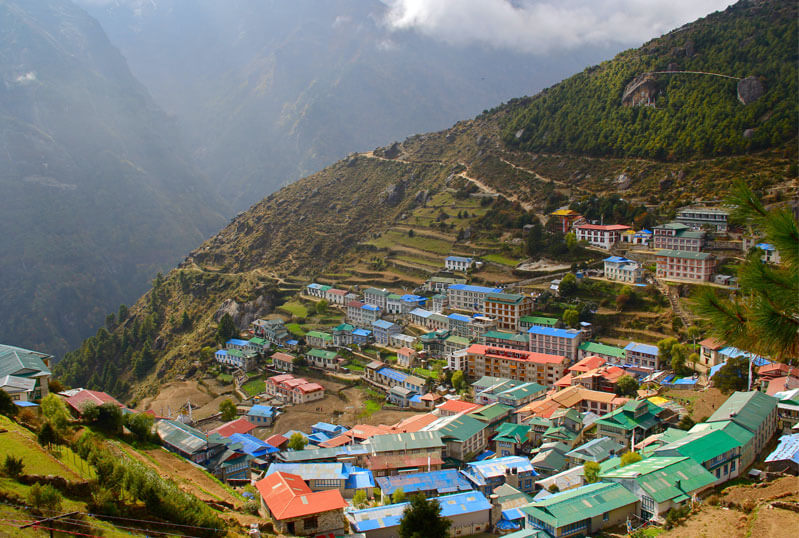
{"type": "Point", "coordinates": [541, 26]}
{"type": "Point", "coordinates": [27, 78]}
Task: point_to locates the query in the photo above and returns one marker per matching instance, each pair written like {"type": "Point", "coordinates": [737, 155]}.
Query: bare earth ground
{"type": "Point", "coordinates": [705, 403]}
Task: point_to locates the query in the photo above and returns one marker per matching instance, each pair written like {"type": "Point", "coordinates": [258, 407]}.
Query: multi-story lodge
{"type": "Point", "coordinates": [678, 236]}
{"type": "Point", "coordinates": [704, 217]}
{"type": "Point", "coordinates": [19, 364]}
{"type": "Point", "coordinates": [623, 270]}
{"type": "Point", "coordinates": [683, 265]}
{"type": "Point", "coordinates": [294, 389]}
{"type": "Point", "coordinates": [466, 297]}
{"type": "Point", "coordinates": [555, 341]}
{"type": "Point", "coordinates": [508, 309]}
{"type": "Point", "coordinates": [514, 364]}
{"type": "Point", "coordinates": [642, 355]}
{"type": "Point", "coordinates": [458, 263]}
{"type": "Point", "coordinates": [600, 235]}
{"type": "Point", "coordinates": [376, 297]}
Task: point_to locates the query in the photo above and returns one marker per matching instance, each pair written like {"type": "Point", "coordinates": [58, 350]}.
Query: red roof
{"type": "Point", "coordinates": [402, 461]}
{"type": "Point", "coordinates": [603, 227]}
{"type": "Point", "coordinates": [711, 343]}
{"type": "Point", "coordinates": [431, 396]}
{"type": "Point", "coordinates": [78, 400]}
{"type": "Point", "coordinates": [310, 387]}
{"type": "Point", "coordinates": [776, 369]}
{"type": "Point", "coordinates": [240, 425]}
{"type": "Point", "coordinates": [414, 423]}
{"type": "Point", "coordinates": [406, 351]}
{"type": "Point", "coordinates": [334, 291]}
{"type": "Point", "coordinates": [276, 440]}
{"type": "Point", "coordinates": [515, 354]}
{"type": "Point", "coordinates": [287, 496]}
{"type": "Point", "coordinates": [355, 304]}
{"type": "Point", "coordinates": [283, 357]}
{"type": "Point", "coordinates": [587, 364]}
{"type": "Point", "coordinates": [339, 440]}
{"type": "Point", "coordinates": [781, 384]}
{"type": "Point", "coordinates": [458, 406]}
{"type": "Point", "coordinates": [565, 381]}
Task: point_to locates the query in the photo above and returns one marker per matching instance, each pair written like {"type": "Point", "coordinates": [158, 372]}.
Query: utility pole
{"type": "Point", "coordinates": [36, 524]}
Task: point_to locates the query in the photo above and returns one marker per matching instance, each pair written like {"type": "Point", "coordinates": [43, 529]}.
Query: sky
{"type": "Point", "coordinates": [543, 26]}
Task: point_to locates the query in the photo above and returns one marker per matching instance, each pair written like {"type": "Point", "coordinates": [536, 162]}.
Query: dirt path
{"type": "Point", "coordinates": [537, 175]}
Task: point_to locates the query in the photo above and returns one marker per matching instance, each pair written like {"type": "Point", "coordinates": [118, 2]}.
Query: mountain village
{"type": "Point", "coordinates": [519, 423]}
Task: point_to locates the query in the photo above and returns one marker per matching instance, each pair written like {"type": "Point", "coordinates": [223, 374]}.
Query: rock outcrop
{"type": "Point", "coordinates": [750, 90]}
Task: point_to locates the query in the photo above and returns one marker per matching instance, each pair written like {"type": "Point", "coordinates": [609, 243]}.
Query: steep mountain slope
{"type": "Point", "coordinates": [97, 192]}
{"type": "Point", "coordinates": [330, 225]}
{"type": "Point", "coordinates": [270, 91]}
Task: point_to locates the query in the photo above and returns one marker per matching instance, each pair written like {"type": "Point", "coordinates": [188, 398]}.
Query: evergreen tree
{"type": "Point", "coordinates": [7, 406]}
{"type": "Point", "coordinates": [226, 329]}
{"type": "Point", "coordinates": [228, 410]}
{"type": "Point", "coordinates": [591, 472]}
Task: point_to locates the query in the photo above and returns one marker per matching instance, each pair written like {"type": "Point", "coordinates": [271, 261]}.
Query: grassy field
{"type": "Point", "coordinates": [224, 378]}
{"type": "Point", "coordinates": [502, 260]}
{"type": "Point", "coordinates": [418, 241]}
{"type": "Point", "coordinates": [295, 329]}
{"type": "Point", "coordinates": [254, 387]}
{"type": "Point", "coordinates": [421, 372]}
{"type": "Point", "coordinates": [295, 308]}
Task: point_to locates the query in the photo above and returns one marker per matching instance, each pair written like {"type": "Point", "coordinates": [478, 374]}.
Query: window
{"type": "Point", "coordinates": [310, 523]}
{"type": "Point", "coordinates": [605, 516]}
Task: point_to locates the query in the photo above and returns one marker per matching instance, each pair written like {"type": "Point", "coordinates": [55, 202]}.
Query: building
{"type": "Point", "coordinates": [677, 236]}
{"type": "Point", "coordinates": [709, 354]}
{"type": "Point", "coordinates": [261, 415]}
{"type": "Point", "coordinates": [525, 322]}
{"type": "Point", "coordinates": [563, 219]}
{"type": "Point", "coordinates": [509, 392]}
{"type": "Point", "coordinates": [438, 284]}
{"type": "Point", "coordinates": [785, 458]}
{"type": "Point", "coordinates": [770, 253]}
{"type": "Point", "coordinates": [621, 269]}
{"type": "Point", "coordinates": [700, 218]}
{"type": "Point", "coordinates": [506, 340]}
{"type": "Point", "coordinates": [581, 511]}
{"type": "Point", "coordinates": [455, 407]}
{"type": "Point", "coordinates": [397, 453]}
{"type": "Point", "coordinates": [508, 309]}
{"type": "Point", "coordinates": [576, 397]}
{"type": "Point", "coordinates": [271, 330]}
{"type": "Point", "coordinates": [527, 366]}
{"type": "Point", "coordinates": [683, 265]}
{"type": "Point", "coordinates": [661, 483]}
{"type": "Point", "coordinates": [756, 413]}
{"type": "Point", "coordinates": [406, 357]}
{"type": "Point", "coordinates": [642, 355]}
{"type": "Point", "coordinates": [382, 330]}
{"type": "Point", "coordinates": [20, 389]}
{"type": "Point", "coordinates": [440, 302]}
{"type": "Point", "coordinates": [319, 339]}
{"type": "Point", "coordinates": [612, 354]}
{"type": "Point", "coordinates": [377, 373]}
{"type": "Point", "coordinates": [464, 436]}
{"type": "Point", "coordinates": [240, 425]}
{"type": "Point", "coordinates": [555, 341]}
{"type": "Point", "coordinates": [376, 297]}
{"type": "Point", "coordinates": [511, 439]}
{"type": "Point", "coordinates": [466, 297]}
{"type": "Point", "coordinates": [236, 358]}
{"type": "Point", "coordinates": [458, 263]}
{"type": "Point", "coordinates": [428, 484]}
{"type": "Point", "coordinates": [83, 397]}
{"type": "Point", "coordinates": [297, 510]}
{"type": "Point", "coordinates": [362, 314]}
{"type": "Point", "coordinates": [637, 419]}
{"type": "Point", "coordinates": [600, 235]}
{"type": "Point", "coordinates": [468, 512]}
{"type": "Point", "coordinates": [400, 340]}
{"type": "Point", "coordinates": [190, 443]}
{"type": "Point", "coordinates": [24, 363]}
{"type": "Point", "coordinates": [596, 450]}
{"type": "Point", "coordinates": [336, 296]}
{"type": "Point", "coordinates": [714, 450]}
{"type": "Point", "coordinates": [296, 390]}
{"type": "Point", "coordinates": [320, 358]}
{"type": "Point", "coordinates": [283, 362]}
{"type": "Point", "coordinates": [489, 474]}
{"type": "Point", "coordinates": [344, 477]}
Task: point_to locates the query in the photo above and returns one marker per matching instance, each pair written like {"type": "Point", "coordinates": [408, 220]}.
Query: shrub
{"type": "Point", "coordinates": [251, 507]}
{"type": "Point", "coordinates": [13, 467]}
{"type": "Point", "coordinates": [44, 497]}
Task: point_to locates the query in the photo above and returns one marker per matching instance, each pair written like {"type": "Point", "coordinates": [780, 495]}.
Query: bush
{"type": "Point", "coordinates": [48, 435]}
{"type": "Point", "coordinates": [713, 500]}
{"type": "Point", "coordinates": [13, 467]}
{"type": "Point", "coordinates": [44, 497]}
{"type": "Point", "coordinates": [252, 507]}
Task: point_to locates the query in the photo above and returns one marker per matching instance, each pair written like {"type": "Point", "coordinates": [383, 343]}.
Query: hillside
{"type": "Point", "coordinates": [387, 218]}
{"type": "Point", "coordinates": [97, 191]}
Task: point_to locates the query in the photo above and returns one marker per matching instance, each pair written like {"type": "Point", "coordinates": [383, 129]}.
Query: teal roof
{"type": "Point", "coordinates": [488, 381]}
{"type": "Point", "coordinates": [700, 446]}
{"type": "Point", "coordinates": [602, 349]}
{"type": "Point", "coordinates": [596, 450]}
{"type": "Point", "coordinates": [460, 340]}
{"type": "Point", "coordinates": [747, 409]}
{"type": "Point", "coordinates": [624, 416]}
{"type": "Point", "coordinates": [539, 320]}
{"type": "Point", "coordinates": [581, 503]}
{"type": "Point", "coordinates": [508, 432]}
{"type": "Point", "coordinates": [508, 337]}
{"type": "Point", "coordinates": [346, 327]}
{"type": "Point", "coordinates": [319, 334]}
{"type": "Point", "coordinates": [21, 362]}
{"type": "Point", "coordinates": [665, 478]}
{"type": "Point", "coordinates": [684, 254]}
{"type": "Point", "coordinates": [737, 432]}
{"type": "Point", "coordinates": [462, 428]}
{"type": "Point", "coordinates": [322, 354]}
{"type": "Point", "coordinates": [491, 412]}
{"type": "Point", "coordinates": [560, 433]}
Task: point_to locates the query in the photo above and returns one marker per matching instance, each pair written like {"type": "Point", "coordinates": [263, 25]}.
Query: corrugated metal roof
{"type": "Point", "coordinates": [665, 478]}
{"type": "Point", "coordinates": [788, 449]}
{"type": "Point", "coordinates": [462, 428]}
{"type": "Point", "coordinates": [448, 479]}
{"type": "Point", "coordinates": [597, 450]}
{"type": "Point", "coordinates": [405, 441]}
{"type": "Point", "coordinates": [700, 446]}
{"type": "Point", "coordinates": [748, 409]}
{"type": "Point", "coordinates": [581, 503]}
{"type": "Point", "coordinates": [497, 466]}
{"type": "Point", "coordinates": [22, 362]}
{"type": "Point", "coordinates": [551, 331]}
{"type": "Point", "coordinates": [602, 349]}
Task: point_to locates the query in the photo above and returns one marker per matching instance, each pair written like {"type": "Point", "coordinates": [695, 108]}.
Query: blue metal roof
{"type": "Point", "coordinates": [237, 342]}
{"type": "Point", "coordinates": [413, 298]}
{"type": "Point", "coordinates": [421, 312]}
{"type": "Point", "coordinates": [382, 324]}
{"type": "Point", "coordinates": [292, 342]}
{"type": "Point", "coordinates": [361, 332]}
{"type": "Point", "coordinates": [715, 369]}
{"type": "Point", "coordinates": [685, 381]}
{"type": "Point", "coordinates": [550, 331]}
{"type": "Point", "coordinates": [788, 449]}
{"type": "Point", "coordinates": [484, 455]}
{"type": "Point", "coordinates": [383, 517]}
{"type": "Point", "coordinates": [497, 467]}
{"type": "Point", "coordinates": [512, 514]}
{"type": "Point", "coordinates": [314, 286]}
{"type": "Point", "coordinates": [371, 307]}
{"type": "Point", "coordinates": [441, 481]}
{"type": "Point", "coordinates": [392, 374]}
{"type": "Point", "coordinates": [459, 259]}
{"type": "Point", "coordinates": [326, 427]}
{"type": "Point", "coordinates": [416, 399]}
{"type": "Point", "coordinates": [734, 353]}
{"type": "Point", "coordinates": [766, 246]}
{"type": "Point", "coordinates": [221, 352]}
{"type": "Point", "coordinates": [460, 317]}
{"type": "Point", "coordinates": [319, 437]}
{"type": "Point", "coordinates": [261, 411]}
{"type": "Point", "coordinates": [252, 446]}
{"type": "Point", "coordinates": [617, 259]}
{"type": "Point", "coordinates": [479, 289]}
{"type": "Point", "coordinates": [359, 478]}
{"type": "Point", "coordinates": [642, 348]}
{"type": "Point", "coordinates": [26, 404]}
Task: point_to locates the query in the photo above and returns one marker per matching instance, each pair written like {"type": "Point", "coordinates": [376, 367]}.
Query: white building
{"type": "Point", "coordinates": [623, 270]}
{"type": "Point", "coordinates": [698, 218]}
{"type": "Point", "coordinates": [600, 235]}
{"type": "Point", "coordinates": [458, 263]}
{"type": "Point", "coordinates": [466, 297]}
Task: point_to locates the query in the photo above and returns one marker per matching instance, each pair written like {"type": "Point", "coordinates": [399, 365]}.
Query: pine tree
{"type": "Point", "coordinates": [422, 519]}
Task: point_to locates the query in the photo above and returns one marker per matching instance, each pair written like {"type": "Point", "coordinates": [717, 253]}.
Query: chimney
{"type": "Point", "coordinates": [495, 514]}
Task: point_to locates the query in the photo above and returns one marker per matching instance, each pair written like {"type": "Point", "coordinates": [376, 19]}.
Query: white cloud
{"type": "Point", "coordinates": [27, 78]}
{"type": "Point", "coordinates": [540, 26]}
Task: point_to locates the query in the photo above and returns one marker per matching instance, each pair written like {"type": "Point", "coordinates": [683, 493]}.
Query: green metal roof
{"type": "Point", "coordinates": [508, 337]}
{"type": "Point", "coordinates": [319, 334]}
{"type": "Point", "coordinates": [460, 340]}
{"type": "Point", "coordinates": [624, 418]}
{"type": "Point", "coordinates": [375, 291]}
{"type": "Point", "coordinates": [505, 297]}
{"type": "Point", "coordinates": [602, 349]}
{"type": "Point", "coordinates": [508, 432]}
{"type": "Point", "coordinates": [549, 459]}
{"type": "Point", "coordinates": [560, 433]}
{"type": "Point", "coordinates": [462, 428]}
{"type": "Point", "coordinates": [491, 412]}
{"type": "Point", "coordinates": [539, 320]}
{"type": "Point", "coordinates": [488, 381]}
{"type": "Point", "coordinates": [322, 354]}
{"type": "Point", "coordinates": [684, 254]}
{"type": "Point", "coordinates": [610, 464]}
{"type": "Point", "coordinates": [22, 362]}
{"type": "Point", "coordinates": [581, 503]}
{"type": "Point", "coordinates": [346, 327]}
{"type": "Point", "coordinates": [747, 409]}
{"type": "Point", "coordinates": [257, 341]}
{"type": "Point", "coordinates": [664, 478]}
{"type": "Point", "coordinates": [405, 441]}
{"type": "Point", "coordinates": [596, 450]}
{"type": "Point", "coordinates": [700, 446]}
{"type": "Point", "coordinates": [522, 391]}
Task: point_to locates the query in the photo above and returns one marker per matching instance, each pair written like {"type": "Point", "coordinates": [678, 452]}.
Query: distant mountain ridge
{"type": "Point", "coordinates": [98, 194]}
{"type": "Point", "coordinates": [326, 224]}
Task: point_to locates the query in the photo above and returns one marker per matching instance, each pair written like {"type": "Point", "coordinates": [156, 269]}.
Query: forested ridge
{"type": "Point", "coordinates": [693, 115]}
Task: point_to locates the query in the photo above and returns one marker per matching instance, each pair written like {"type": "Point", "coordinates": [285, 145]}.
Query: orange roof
{"type": "Point", "coordinates": [365, 431]}
{"type": "Point", "coordinates": [776, 369]}
{"type": "Point", "coordinates": [287, 496]}
{"type": "Point", "coordinates": [406, 351]}
{"type": "Point", "coordinates": [711, 343]}
{"type": "Point", "coordinates": [431, 396]}
{"type": "Point", "coordinates": [587, 364]}
{"type": "Point", "coordinates": [276, 440]}
{"type": "Point", "coordinates": [240, 425]}
{"type": "Point", "coordinates": [565, 381]}
{"type": "Point", "coordinates": [414, 423]}
{"type": "Point", "coordinates": [458, 406]}
{"type": "Point", "coordinates": [282, 357]}
{"type": "Point", "coordinates": [277, 379]}
{"type": "Point", "coordinates": [310, 387]}
{"type": "Point", "coordinates": [603, 227]}
{"type": "Point", "coordinates": [515, 354]}
{"type": "Point", "coordinates": [780, 384]}
{"type": "Point", "coordinates": [540, 408]}
{"type": "Point", "coordinates": [85, 396]}
{"type": "Point", "coordinates": [339, 440]}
